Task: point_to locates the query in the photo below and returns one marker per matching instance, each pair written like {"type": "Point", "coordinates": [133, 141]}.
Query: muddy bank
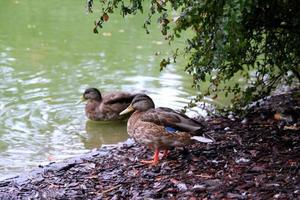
{"type": "Point", "coordinates": [254, 157]}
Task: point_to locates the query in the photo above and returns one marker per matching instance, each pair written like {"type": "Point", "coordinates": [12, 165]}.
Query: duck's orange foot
{"type": "Point", "coordinates": [155, 159]}
{"type": "Point", "coordinates": [149, 162]}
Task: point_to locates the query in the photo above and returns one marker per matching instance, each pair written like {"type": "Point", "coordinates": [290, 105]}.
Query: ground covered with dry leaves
{"type": "Point", "coordinates": [254, 157]}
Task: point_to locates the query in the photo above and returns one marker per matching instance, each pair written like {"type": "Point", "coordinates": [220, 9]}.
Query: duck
{"type": "Point", "coordinates": [105, 107]}
{"type": "Point", "coordinates": [161, 128]}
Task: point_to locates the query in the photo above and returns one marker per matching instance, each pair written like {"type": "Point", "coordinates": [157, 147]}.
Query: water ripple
{"type": "Point", "coordinates": [43, 76]}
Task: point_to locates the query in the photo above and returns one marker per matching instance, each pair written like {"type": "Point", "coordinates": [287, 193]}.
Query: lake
{"type": "Point", "coordinates": [49, 56]}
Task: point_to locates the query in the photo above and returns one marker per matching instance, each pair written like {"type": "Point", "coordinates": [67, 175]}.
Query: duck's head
{"type": "Point", "coordinates": [140, 102]}
{"type": "Point", "coordinates": [92, 94]}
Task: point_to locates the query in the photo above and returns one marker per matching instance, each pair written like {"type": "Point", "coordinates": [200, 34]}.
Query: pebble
{"type": "Point", "coordinates": [244, 121]}
{"type": "Point", "coordinates": [226, 129]}
{"type": "Point", "coordinates": [231, 117]}
{"type": "Point", "coordinates": [199, 188]}
{"type": "Point", "coordinates": [242, 160]}
{"type": "Point", "coordinates": [182, 186]}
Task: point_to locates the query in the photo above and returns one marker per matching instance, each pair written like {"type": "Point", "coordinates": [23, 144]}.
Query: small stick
{"type": "Point", "coordinates": [110, 189]}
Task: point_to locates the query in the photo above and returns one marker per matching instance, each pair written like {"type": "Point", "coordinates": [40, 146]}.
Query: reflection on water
{"type": "Point", "coordinates": [99, 133]}
{"type": "Point", "coordinates": [49, 56]}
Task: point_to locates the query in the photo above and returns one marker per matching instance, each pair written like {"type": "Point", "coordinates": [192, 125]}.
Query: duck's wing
{"type": "Point", "coordinates": [171, 120]}
{"type": "Point", "coordinates": [118, 97]}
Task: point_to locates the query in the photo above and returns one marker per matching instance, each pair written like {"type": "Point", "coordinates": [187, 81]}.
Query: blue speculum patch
{"type": "Point", "coordinates": [170, 129]}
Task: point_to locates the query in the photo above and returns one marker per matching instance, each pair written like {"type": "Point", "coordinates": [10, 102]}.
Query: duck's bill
{"type": "Point", "coordinates": [129, 109]}
{"type": "Point", "coordinates": [82, 99]}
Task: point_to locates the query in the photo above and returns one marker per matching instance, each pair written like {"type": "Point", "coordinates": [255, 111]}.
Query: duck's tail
{"type": "Point", "coordinates": [202, 139]}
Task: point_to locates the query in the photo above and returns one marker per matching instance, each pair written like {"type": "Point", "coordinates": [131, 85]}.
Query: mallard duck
{"type": "Point", "coordinates": [106, 107]}
{"type": "Point", "coordinates": [160, 128]}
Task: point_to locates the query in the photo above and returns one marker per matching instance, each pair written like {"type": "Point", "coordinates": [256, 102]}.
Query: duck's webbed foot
{"type": "Point", "coordinates": [155, 160]}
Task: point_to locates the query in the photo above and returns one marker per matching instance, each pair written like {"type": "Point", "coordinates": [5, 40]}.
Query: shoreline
{"type": "Point", "coordinates": [256, 157]}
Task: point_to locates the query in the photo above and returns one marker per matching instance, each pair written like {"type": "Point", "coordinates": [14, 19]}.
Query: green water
{"type": "Point", "coordinates": [48, 56]}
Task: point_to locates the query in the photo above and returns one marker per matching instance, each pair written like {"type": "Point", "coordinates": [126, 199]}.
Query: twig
{"type": "Point", "coordinates": [111, 189]}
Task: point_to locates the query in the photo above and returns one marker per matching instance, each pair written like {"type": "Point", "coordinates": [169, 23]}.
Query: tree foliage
{"type": "Point", "coordinates": [259, 40]}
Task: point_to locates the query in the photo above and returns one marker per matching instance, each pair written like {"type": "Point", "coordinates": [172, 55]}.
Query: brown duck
{"type": "Point", "coordinates": [106, 107]}
{"type": "Point", "coordinates": [160, 128]}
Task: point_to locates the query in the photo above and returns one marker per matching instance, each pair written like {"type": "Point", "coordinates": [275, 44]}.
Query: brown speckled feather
{"type": "Point", "coordinates": [148, 128]}
{"type": "Point", "coordinates": [109, 107]}
{"type": "Point", "coordinates": [117, 97]}
{"type": "Point", "coordinates": [167, 117]}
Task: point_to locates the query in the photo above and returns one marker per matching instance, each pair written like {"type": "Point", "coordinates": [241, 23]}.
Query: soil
{"type": "Point", "coordinates": [254, 157]}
